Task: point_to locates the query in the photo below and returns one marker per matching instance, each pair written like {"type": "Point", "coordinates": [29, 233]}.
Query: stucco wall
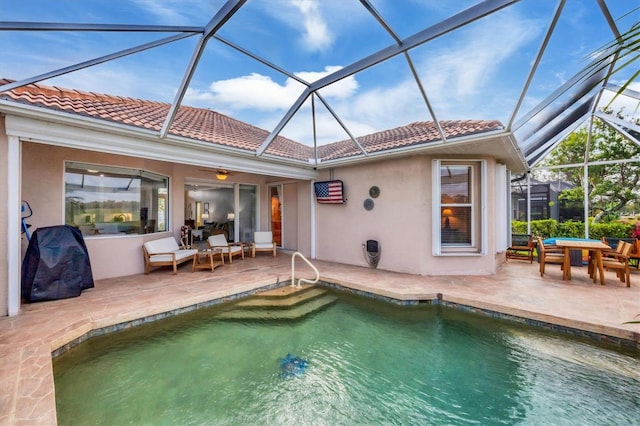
{"type": "Point", "coordinates": [304, 202]}
{"type": "Point", "coordinates": [400, 220]}
{"type": "Point", "coordinates": [290, 219]}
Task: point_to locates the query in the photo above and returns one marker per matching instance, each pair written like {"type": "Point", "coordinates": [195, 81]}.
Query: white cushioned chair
{"type": "Point", "coordinates": [263, 241]}
{"type": "Point", "coordinates": [230, 249]}
{"type": "Point", "coordinates": [165, 252]}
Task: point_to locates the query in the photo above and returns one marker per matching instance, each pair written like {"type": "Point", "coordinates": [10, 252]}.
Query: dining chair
{"type": "Point", "coordinates": [549, 255]}
{"type": "Point", "coordinates": [521, 247]}
{"type": "Point", "coordinates": [619, 262]}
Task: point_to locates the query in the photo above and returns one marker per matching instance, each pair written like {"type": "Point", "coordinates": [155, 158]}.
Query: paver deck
{"type": "Point", "coordinates": [26, 341]}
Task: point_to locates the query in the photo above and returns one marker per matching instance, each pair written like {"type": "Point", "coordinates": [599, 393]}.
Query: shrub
{"type": "Point", "coordinates": [610, 229]}
{"type": "Point", "coordinates": [544, 228]}
{"type": "Point", "coordinates": [551, 228]}
{"type": "Point", "coordinates": [570, 228]}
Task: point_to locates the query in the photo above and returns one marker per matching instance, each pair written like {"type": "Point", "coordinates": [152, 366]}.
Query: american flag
{"type": "Point", "coordinates": [329, 192]}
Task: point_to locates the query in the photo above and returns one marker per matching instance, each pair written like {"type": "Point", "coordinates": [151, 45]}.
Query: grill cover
{"type": "Point", "coordinates": [56, 265]}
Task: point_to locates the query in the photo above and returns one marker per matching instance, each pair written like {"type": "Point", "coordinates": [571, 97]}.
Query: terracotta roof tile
{"type": "Point", "coordinates": [418, 133]}
{"type": "Point", "coordinates": [218, 129]}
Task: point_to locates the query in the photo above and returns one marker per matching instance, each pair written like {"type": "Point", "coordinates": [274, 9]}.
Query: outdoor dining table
{"type": "Point", "coordinates": [595, 248]}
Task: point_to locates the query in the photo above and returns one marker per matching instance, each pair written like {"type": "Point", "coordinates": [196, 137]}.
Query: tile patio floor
{"type": "Point", "coordinates": [27, 340]}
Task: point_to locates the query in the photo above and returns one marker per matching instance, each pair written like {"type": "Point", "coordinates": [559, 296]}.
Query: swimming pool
{"type": "Point", "coordinates": [369, 362]}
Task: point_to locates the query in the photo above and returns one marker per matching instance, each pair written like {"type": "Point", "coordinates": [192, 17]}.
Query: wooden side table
{"type": "Point", "coordinates": [208, 258]}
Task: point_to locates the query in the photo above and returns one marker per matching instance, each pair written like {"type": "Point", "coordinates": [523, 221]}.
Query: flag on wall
{"type": "Point", "coordinates": [329, 192]}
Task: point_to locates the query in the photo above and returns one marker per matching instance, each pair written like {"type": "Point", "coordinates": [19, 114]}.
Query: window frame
{"type": "Point", "coordinates": [159, 213]}
{"type": "Point", "coordinates": [478, 208]}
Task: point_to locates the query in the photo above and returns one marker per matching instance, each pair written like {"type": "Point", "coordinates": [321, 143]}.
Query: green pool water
{"type": "Point", "coordinates": [369, 363]}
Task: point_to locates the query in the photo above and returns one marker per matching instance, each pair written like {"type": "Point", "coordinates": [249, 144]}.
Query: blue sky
{"type": "Point", "coordinates": [475, 72]}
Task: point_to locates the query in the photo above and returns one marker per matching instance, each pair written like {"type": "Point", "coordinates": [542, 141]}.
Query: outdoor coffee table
{"type": "Point", "coordinates": [208, 258]}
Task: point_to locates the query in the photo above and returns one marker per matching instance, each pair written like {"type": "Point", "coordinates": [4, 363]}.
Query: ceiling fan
{"type": "Point", "coordinates": [221, 174]}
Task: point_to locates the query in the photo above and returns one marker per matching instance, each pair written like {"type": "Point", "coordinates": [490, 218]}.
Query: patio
{"type": "Point", "coordinates": [26, 376]}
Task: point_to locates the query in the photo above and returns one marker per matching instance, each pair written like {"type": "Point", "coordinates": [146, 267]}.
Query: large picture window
{"type": "Point", "coordinates": [457, 195]}
{"type": "Point", "coordinates": [105, 200]}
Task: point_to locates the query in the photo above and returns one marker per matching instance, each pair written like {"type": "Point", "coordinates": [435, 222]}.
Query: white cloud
{"type": "Point", "coordinates": [259, 92]}
{"type": "Point", "coordinates": [462, 70]}
{"type": "Point", "coordinates": [316, 34]}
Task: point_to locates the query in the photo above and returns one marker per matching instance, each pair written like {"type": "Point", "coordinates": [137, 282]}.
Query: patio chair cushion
{"type": "Point", "coordinates": [219, 241]}
{"type": "Point", "coordinates": [263, 241]}
{"type": "Point", "coordinates": [166, 252]}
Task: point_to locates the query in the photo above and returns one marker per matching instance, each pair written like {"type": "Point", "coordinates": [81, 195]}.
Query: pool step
{"type": "Point", "coordinates": [285, 299]}
{"type": "Point", "coordinates": [284, 306]}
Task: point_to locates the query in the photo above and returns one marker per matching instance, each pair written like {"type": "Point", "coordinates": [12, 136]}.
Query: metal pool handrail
{"type": "Point", "coordinates": [293, 279]}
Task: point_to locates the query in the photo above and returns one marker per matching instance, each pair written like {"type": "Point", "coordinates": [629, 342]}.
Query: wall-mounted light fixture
{"type": "Point", "coordinates": [231, 216]}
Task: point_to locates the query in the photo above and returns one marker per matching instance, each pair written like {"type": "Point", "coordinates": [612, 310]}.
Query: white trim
{"type": "Point", "coordinates": [314, 225]}
{"type": "Point", "coordinates": [113, 140]}
{"type": "Point", "coordinates": [483, 206]}
{"type": "Point", "coordinates": [479, 247]}
{"type": "Point", "coordinates": [14, 246]}
{"type": "Point", "coordinates": [236, 214]}
{"type": "Point", "coordinates": [502, 206]}
{"type": "Point", "coordinates": [435, 207]}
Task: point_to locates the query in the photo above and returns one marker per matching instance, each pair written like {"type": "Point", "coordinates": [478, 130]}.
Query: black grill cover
{"type": "Point", "coordinates": [56, 265]}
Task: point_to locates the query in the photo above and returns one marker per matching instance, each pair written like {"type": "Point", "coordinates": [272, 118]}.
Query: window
{"type": "Point", "coordinates": [457, 199]}
{"type": "Point", "coordinates": [105, 200]}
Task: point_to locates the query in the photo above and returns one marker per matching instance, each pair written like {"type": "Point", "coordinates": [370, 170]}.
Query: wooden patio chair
{"type": "Point", "coordinates": [263, 241]}
{"type": "Point", "coordinates": [230, 249]}
{"type": "Point", "coordinates": [634, 257]}
{"type": "Point", "coordinates": [619, 262]}
{"type": "Point", "coordinates": [521, 247]}
{"type": "Point", "coordinates": [549, 255]}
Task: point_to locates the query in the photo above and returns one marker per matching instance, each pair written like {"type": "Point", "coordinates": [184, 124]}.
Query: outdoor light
{"type": "Point", "coordinates": [222, 176]}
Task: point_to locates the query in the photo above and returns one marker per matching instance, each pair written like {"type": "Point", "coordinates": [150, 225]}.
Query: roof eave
{"type": "Point", "coordinates": [514, 158]}
{"type": "Point", "coordinates": [145, 143]}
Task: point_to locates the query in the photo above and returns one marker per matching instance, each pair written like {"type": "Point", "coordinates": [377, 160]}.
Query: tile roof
{"type": "Point", "coordinates": [418, 133]}
{"type": "Point", "coordinates": [209, 126]}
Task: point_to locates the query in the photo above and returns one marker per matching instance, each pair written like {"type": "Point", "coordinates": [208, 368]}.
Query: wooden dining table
{"type": "Point", "coordinates": [595, 256]}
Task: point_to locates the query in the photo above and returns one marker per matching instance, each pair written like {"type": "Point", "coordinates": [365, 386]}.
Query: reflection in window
{"type": "Point", "coordinates": [115, 200]}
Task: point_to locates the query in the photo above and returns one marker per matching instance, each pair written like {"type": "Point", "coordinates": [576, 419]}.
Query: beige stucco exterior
{"type": "Point", "coordinates": [401, 219]}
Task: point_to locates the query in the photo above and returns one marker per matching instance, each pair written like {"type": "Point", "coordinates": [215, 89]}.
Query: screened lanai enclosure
{"type": "Point", "coordinates": [541, 200]}
{"type": "Point", "coordinates": [319, 72]}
